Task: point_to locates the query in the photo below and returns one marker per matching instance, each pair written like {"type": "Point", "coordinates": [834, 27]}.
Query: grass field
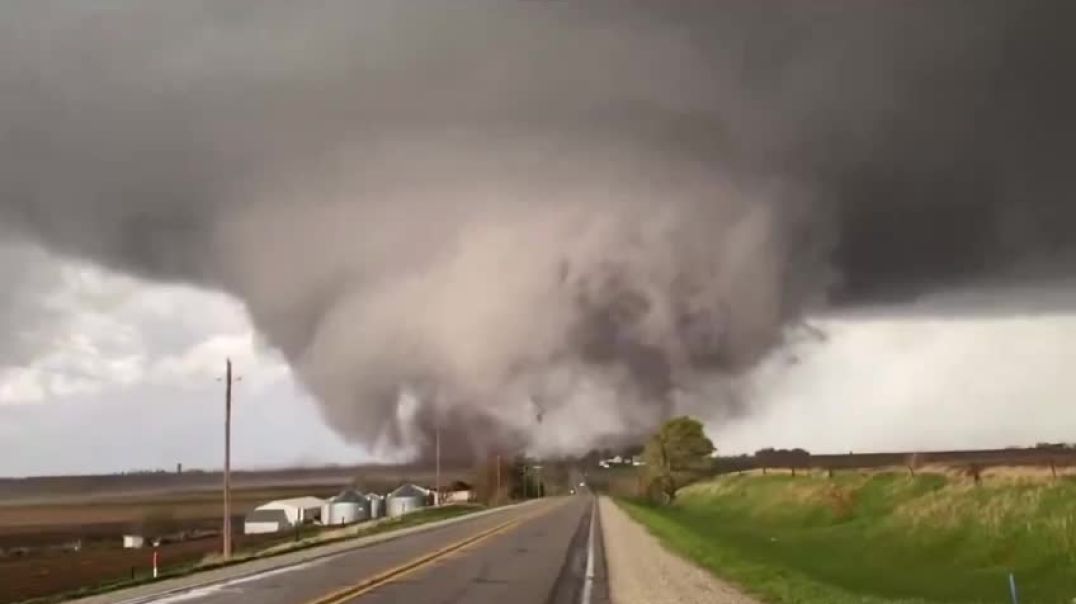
{"type": "Point", "coordinates": [878, 537]}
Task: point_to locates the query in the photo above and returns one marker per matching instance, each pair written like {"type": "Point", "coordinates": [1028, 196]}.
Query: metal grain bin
{"type": "Point", "coordinates": [347, 507]}
{"type": "Point", "coordinates": [405, 500]}
{"type": "Point", "coordinates": [377, 505]}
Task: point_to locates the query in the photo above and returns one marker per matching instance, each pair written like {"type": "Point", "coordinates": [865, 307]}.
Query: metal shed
{"type": "Point", "coordinates": [298, 509]}
{"type": "Point", "coordinates": [266, 521]}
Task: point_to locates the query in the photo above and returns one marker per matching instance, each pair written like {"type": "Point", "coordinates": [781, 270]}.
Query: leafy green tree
{"type": "Point", "coordinates": [678, 454]}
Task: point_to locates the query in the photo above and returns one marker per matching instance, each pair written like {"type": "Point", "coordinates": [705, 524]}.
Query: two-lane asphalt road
{"type": "Point", "coordinates": [538, 553]}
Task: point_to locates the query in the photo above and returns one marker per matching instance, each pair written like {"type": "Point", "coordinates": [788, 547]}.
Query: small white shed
{"type": "Point", "coordinates": [282, 514]}
{"type": "Point", "coordinates": [133, 541]}
{"type": "Point", "coordinates": [266, 521]}
{"type": "Point", "coordinates": [298, 509]}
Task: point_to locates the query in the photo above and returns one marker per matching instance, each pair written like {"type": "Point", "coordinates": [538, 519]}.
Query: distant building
{"type": "Point", "coordinates": [459, 496]}
{"type": "Point", "coordinates": [459, 492]}
{"type": "Point", "coordinates": [283, 514]}
{"type": "Point", "coordinates": [133, 541]}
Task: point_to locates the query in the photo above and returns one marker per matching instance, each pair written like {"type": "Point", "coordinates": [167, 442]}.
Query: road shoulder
{"type": "Point", "coordinates": [642, 571]}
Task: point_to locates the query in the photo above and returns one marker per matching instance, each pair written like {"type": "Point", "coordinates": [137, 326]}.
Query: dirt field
{"type": "Point", "coordinates": [53, 489]}
{"type": "Point", "coordinates": [41, 520]}
{"type": "Point", "coordinates": [37, 539]}
{"type": "Point", "coordinates": [58, 571]}
{"type": "Point", "coordinates": [37, 524]}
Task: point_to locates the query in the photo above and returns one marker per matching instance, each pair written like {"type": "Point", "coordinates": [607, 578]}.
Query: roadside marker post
{"type": "Point", "coordinates": [155, 557]}
{"type": "Point", "coordinates": [1012, 589]}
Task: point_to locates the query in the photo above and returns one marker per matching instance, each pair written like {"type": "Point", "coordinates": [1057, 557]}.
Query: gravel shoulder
{"type": "Point", "coordinates": [642, 571]}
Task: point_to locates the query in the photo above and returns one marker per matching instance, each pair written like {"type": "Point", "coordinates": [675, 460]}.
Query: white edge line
{"type": "Point", "coordinates": [588, 583]}
{"type": "Point", "coordinates": [387, 536]}
{"type": "Point", "coordinates": [208, 590]}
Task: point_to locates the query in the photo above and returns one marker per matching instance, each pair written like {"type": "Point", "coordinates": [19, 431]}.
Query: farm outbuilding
{"type": "Point", "coordinates": [347, 507]}
{"type": "Point", "coordinates": [458, 492]}
{"type": "Point", "coordinates": [266, 521]}
{"type": "Point", "coordinates": [283, 514]}
{"type": "Point", "coordinates": [406, 499]}
{"type": "Point", "coordinates": [298, 510]}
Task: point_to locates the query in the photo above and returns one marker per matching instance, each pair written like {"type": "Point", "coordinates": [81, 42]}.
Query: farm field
{"type": "Point", "coordinates": [37, 540]}
{"type": "Point", "coordinates": [937, 536]}
{"type": "Point", "coordinates": [53, 540]}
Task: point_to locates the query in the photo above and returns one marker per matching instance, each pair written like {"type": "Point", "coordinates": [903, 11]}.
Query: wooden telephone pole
{"type": "Point", "coordinates": [437, 480]}
{"type": "Point", "coordinates": [227, 528]}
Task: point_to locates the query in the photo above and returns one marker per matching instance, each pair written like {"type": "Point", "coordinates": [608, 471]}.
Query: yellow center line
{"type": "Point", "coordinates": [367, 585]}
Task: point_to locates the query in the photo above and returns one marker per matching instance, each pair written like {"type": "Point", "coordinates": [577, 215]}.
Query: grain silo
{"type": "Point", "coordinates": [376, 505]}
{"type": "Point", "coordinates": [347, 507]}
{"type": "Point", "coordinates": [406, 499]}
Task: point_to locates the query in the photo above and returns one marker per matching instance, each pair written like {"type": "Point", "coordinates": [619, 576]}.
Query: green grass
{"type": "Point", "coordinates": [392, 524]}
{"type": "Point", "coordinates": [877, 537]}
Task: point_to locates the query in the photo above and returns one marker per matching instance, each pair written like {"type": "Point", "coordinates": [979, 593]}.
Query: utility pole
{"type": "Point", "coordinates": [497, 492]}
{"type": "Point", "coordinates": [227, 528]}
{"type": "Point", "coordinates": [437, 480]}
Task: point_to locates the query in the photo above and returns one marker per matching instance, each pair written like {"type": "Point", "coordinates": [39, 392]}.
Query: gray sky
{"type": "Point", "coordinates": [123, 375]}
{"type": "Point", "coordinates": [916, 382]}
{"type": "Point", "coordinates": [127, 379]}
{"type": "Point", "coordinates": [468, 214]}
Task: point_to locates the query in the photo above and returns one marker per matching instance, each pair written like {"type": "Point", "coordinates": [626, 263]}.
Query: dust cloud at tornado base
{"type": "Point", "coordinates": [544, 224]}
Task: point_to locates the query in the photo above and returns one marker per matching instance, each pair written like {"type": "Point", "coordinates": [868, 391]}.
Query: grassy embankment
{"type": "Point", "coordinates": [882, 537]}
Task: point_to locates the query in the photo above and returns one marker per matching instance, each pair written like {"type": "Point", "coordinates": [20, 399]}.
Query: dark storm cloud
{"type": "Point", "coordinates": [27, 321]}
{"type": "Point", "coordinates": [594, 205]}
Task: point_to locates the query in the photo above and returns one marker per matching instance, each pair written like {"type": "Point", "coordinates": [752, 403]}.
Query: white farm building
{"type": "Point", "coordinates": [282, 514]}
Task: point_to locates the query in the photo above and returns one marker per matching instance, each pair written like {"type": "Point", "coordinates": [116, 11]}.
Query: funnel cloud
{"type": "Point", "coordinates": [540, 224]}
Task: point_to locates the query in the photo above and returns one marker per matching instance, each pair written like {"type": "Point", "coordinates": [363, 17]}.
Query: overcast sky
{"type": "Point", "coordinates": [122, 375]}
{"type": "Point", "coordinates": [611, 218]}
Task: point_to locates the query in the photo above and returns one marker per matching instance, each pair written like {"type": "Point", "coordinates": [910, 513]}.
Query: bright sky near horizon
{"type": "Point", "coordinates": [117, 374]}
